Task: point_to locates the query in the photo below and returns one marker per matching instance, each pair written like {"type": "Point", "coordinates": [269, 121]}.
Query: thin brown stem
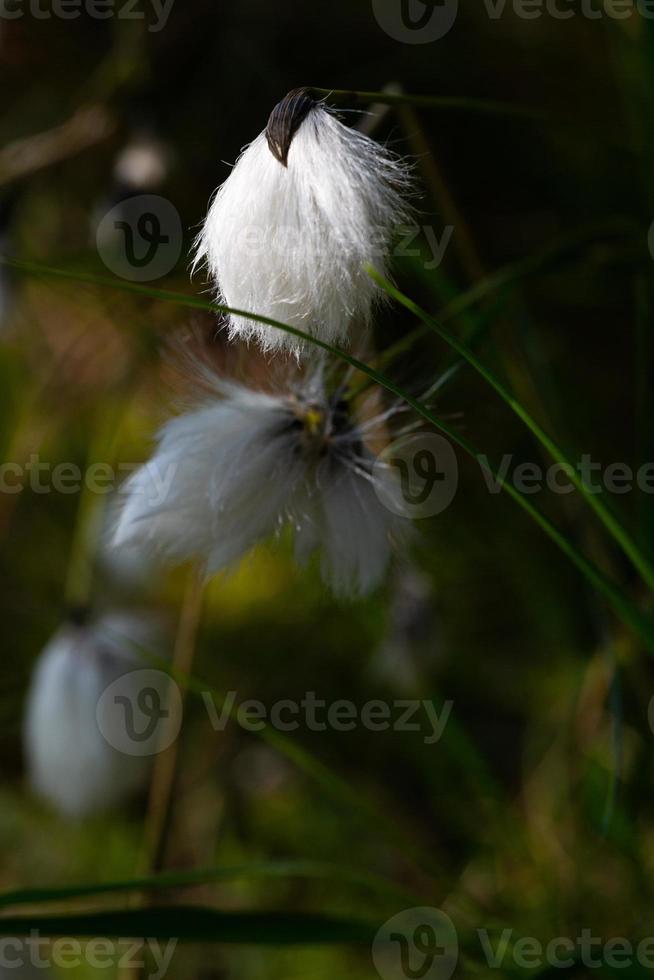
{"type": "Point", "coordinates": [84, 129]}
{"type": "Point", "coordinates": [165, 769]}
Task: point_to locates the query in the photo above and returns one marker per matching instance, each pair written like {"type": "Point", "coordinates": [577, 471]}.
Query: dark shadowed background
{"type": "Point", "coordinates": [534, 810]}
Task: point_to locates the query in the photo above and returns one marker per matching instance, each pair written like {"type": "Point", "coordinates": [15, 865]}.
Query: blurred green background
{"type": "Point", "coordinates": [535, 810]}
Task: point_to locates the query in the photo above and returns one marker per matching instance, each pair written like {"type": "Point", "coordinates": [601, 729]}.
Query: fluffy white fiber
{"type": "Point", "coordinates": [240, 468]}
{"type": "Point", "coordinates": [292, 242]}
{"type": "Point", "coordinates": [70, 762]}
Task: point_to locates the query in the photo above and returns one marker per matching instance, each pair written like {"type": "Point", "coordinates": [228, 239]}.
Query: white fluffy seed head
{"type": "Point", "coordinates": [246, 464]}
{"type": "Point", "coordinates": [292, 242]}
{"type": "Point", "coordinates": [70, 762]}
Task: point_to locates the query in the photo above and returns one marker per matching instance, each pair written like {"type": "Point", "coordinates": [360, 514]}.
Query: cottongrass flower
{"type": "Point", "coordinates": [247, 463]}
{"type": "Point", "coordinates": [288, 235]}
{"type": "Point", "coordinates": [70, 762]}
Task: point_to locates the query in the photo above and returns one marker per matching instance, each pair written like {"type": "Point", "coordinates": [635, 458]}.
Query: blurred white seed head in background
{"type": "Point", "coordinates": [144, 163]}
{"type": "Point", "coordinates": [70, 762]}
{"type": "Point", "coordinates": [288, 235]}
{"type": "Point", "coordinates": [248, 463]}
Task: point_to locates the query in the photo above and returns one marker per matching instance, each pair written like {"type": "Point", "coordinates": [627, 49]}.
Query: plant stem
{"type": "Point", "coordinates": [165, 768]}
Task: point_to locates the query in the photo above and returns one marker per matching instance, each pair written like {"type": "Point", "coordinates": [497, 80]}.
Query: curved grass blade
{"type": "Point", "coordinates": [434, 102]}
{"type": "Point", "coordinates": [317, 870]}
{"type": "Point", "coordinates": [610, 590]}
{"type": "Point", "coordinates": [608, 519]}
{"type": "Point", "coordinates": [455, 102]}
{"type": "Point", "coordinates": [462, 103]}
{"type": "Point", "coordinates": [196, 924]}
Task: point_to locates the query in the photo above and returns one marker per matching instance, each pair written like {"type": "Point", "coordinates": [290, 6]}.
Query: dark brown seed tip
{"type": "Point", "coordinates": [285, 120]}
{"type": "Point", "coordinates": [78, 615]}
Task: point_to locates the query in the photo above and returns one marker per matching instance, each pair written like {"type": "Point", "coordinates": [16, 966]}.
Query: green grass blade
{"type": "Point", "coordinates": [316, 870]}
{"type": "Point", "coordinates": [608, 519]}
{"type": "Point", "coordinates": [196, 924]}
{"type": "Point", "coordinates": [610, 590]}
{"type": "Point", "coordinates": [483, 106]}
